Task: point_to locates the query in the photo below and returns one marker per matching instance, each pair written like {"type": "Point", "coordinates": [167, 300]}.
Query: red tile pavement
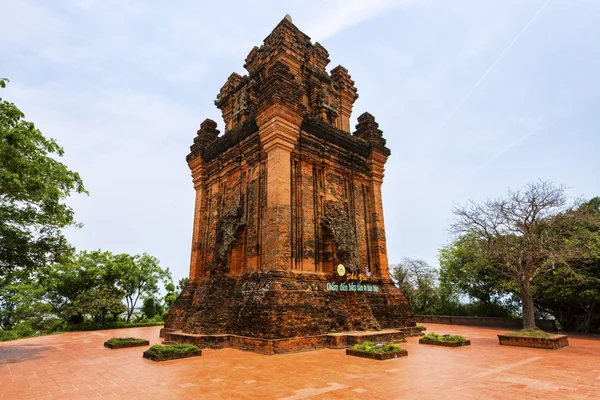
{"type": "Point", "coordinates": [76, 365]}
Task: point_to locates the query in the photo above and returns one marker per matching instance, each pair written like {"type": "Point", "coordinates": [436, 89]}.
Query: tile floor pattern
{"type": "Point", "coordinates": [76, 366]}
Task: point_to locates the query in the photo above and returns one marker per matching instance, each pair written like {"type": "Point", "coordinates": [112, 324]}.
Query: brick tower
{"type": "Point", "coordinates": [283, 197]}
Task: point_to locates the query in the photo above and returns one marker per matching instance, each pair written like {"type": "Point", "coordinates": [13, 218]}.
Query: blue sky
{"type": "Point", "coordinates": [474, 97]}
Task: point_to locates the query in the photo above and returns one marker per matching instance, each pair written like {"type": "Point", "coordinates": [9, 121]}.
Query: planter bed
{"type": "Point", "coordinates": [169, 357]}
{"type": "Point", "coordinates": [125, 344]}
{"type": "Point", "coordinates": [172, 352]}
{"type": "Point", "coordinates": [377, 356]}
{"type": "Point", "coordinates": [552, 343]}
{"type": "Point", "coordinates": [445, 344]}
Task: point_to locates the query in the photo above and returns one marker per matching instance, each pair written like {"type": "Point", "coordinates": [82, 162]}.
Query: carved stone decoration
{"type": "Point", "coordinates": [228, 229]}
{"type": "Point", "coordinates": [337, 223]}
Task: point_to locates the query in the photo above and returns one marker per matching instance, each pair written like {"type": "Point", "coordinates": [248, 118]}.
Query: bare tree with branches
{"type": "Point", "coordinates": [525, 231]}
{"type": "Point", "coordinates": [417, 280]}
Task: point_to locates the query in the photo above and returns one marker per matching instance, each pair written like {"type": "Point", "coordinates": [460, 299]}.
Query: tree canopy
{"type": "Point", "coordinates": [524, 239]}
{"type": "Point", "coordinates": [33, 189]}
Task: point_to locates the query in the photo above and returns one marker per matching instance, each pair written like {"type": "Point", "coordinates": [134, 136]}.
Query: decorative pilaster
{"type": "Point", "coordinates": [207, 134]}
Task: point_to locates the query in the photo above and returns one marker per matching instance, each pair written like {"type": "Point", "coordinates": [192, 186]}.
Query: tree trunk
{"type": "Point", "coordinates": [527, 300]}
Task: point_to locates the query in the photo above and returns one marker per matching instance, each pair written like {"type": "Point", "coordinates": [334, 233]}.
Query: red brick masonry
{"type": "Point", "coordinates": [445, 344]}
{"type": "Point", "coordinates": [553, 343]}
{"type": "Point", "coordinates": [290, 345]}
{"type": "Point", "coordinates": [377, 356]}
{"type": "Point", "coordinates": [125, 345]}
{"type": "Point", "coordinates": [169, 357]}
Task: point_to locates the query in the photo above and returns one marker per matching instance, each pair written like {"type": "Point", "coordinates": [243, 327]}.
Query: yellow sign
{"type": "Point", "coordinates": [341, 270]}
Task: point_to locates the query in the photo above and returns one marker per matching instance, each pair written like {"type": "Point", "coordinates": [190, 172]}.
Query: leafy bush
{"type": "Point", "coordinates": [444, 338]}
{"type": "Point", "coordinates": [163, 349]}
{"type": "Point", "coordinates": [537, 333]}
{"type": "Point", "coordinates": [91, 326]}
{"type": "Point", "coordinates": [371, 347]}
{"type": "Point", "coordinates": [8, 335]}
{"type": "Point", "coordinates": [22, 330]}
{"type": "Point", "coordinates": [125, 340]}
{"type": "Point", "coordinates": [420, 326]}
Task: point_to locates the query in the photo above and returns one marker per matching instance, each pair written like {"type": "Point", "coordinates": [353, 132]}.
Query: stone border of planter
{"type": "Point", "coordinates": [551, 343]}
{"type": "Point", "coordinates": [125, 345]}
{"type": "Point", "coordinates": [377, 356]}
{"type": "Point", "coordinates": [445, 344]}
{"type": "Point", "coordinates": [169, 357]}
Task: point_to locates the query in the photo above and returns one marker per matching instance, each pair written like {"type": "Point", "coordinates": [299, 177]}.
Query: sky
{"type": "Point", "coordinates": [473, 97]}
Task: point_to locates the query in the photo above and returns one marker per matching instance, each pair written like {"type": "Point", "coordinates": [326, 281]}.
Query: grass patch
{"type": "Point", "coordinates": [536, 333]}
{"type": "Point", "coordinates": [160, 350]}
{"type": "Point", "coordinates": [444, 338]}
{"type": "Point", "coordinates": [420, 326]}
{"type": "Point", "coordinates": [369, 347]}
{"type": "Point", "coordinates": [125, 340]}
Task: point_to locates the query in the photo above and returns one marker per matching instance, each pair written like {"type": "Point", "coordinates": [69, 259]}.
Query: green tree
{"type": "Point", "coordinates": [152, 307]}
{"type": "Point", "coordinates": [182, 284]}
{"type": "Point", "coordinates": [84, 272]}
{"type": "Point", "coordinates": [139, 276]}
{"type": "Point", "coordinates": [466, 266]}
{"type": "Point", "coordinates": [417, 280]}
{"type": "Point", "coordinates": [98, 303]}
{"type": "Point", "coordinates": [524, 233]}
{"type": "Point", "coordinates": [171, 296]}
{"type": "Point", "coordinates": [33, 189]}
{"type": "Point", "coordinates": [21, 302]}
{"type": "Point", "coordinates": [571, 292]}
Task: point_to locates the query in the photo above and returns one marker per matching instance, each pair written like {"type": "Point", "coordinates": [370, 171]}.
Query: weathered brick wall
{"type": "Point", "coordinates": [282, 197]}
{"type": "Point", "coordinates": [281, 304]}
{"type": "Point", "coordinates": [492, 322]}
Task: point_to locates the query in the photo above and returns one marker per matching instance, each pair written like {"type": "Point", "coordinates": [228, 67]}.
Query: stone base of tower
{"type": "Point", "coordinates": [277, 305]}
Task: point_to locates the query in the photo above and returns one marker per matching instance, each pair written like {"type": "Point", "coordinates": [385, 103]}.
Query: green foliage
{"type": "Point", "coordinates": [22, 330]}
{"type": "Point", "coordinates": [571, 291]}
{"type": "Point", "coordinates": [139, 275]}
{"type": "Point", "coordinates": [564, 284]}
{"type": "Point", "coordinates": [171, 296]}
{"type": "Point", "coordinates": [370, 347]}
{"type": "Point", "coordinates": [88, 325]}
{"type": "Point", "coordinates": [97, 303]}
{"type": "Point", "coordinates": [182, 284]}
{"type": "Point", "coordinates": [433, 293]}
{"type": "Point", "coordinates": [171, 349]}
{"type": "Point", "coordinates": [444, 338]}
{"type": "Point", "coordinates": [417, 280]}
{"type": "Point", "coordinates": [526, 235]}
{"type": "Point", "coordinates": [466, 266]}
{"type": "Point", "coordinates": [152, 308]}
{"type": "Point", "coordinates": [129, 277]}
{"type": "Point", "coordinates": [84, 272]}
{"type": "Point", "coordinates": [33, 190]}
{"type": "Point", "coordinates": [125, 340]}
{"type": "Point", "coordinates": [536, 333]}
{"type": "Point", "coordinates": [20, 296]}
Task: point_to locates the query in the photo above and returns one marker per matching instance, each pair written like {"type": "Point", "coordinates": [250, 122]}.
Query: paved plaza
{"type": "Point", "coordinates": [76, 366]}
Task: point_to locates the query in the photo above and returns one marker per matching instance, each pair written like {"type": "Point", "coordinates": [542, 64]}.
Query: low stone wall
{"type": "Point", "coordinates": [492, 322]}
{"type": "Point", "coordinates": [552, 343]}
{"type": "Point", "coordinates": [287, 345]}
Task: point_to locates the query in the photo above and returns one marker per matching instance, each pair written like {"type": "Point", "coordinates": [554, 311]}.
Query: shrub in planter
{"type": "Point", "coordinates": [120, 343]}
{"type": "Point", "coordinates": [172, 352]}
{"type": "Point", "coordinates": [444, 340]}
{"type": "Point", "coordinates": [534, 338]}
{"type": "Point", "coordinates": [376, 351]}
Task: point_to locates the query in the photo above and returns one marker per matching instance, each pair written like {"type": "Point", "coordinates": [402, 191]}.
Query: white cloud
{"type": "Point", "coordinates": [336, 15]}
